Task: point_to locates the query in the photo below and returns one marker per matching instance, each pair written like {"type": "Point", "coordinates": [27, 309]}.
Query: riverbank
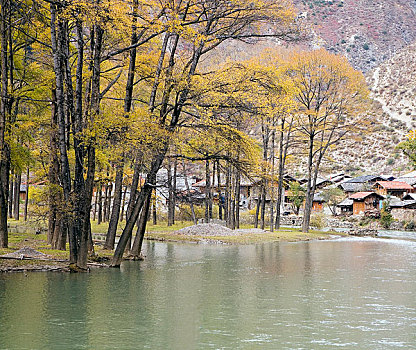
{"type": "Point", "coordinates": [245, 235]}
{"type": "Point", "coordinates": [57, 260]}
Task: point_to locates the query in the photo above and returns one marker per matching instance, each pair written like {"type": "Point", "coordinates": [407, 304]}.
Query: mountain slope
{"type": "Point", "coordinates": [368, 32]}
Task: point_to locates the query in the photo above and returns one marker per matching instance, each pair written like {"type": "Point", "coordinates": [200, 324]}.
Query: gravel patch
{"type": "Point", "coordinates": [214, 230]}
{"type": "Point", "coordinates": [26, 252]}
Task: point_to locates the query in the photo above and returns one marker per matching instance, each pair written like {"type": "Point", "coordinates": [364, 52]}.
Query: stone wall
{"type": "Point", "coordinates": [401, 214]}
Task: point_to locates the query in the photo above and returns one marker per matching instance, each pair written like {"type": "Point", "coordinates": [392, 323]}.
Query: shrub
{"type": "Point", "coordinates": [385, 218]}
{"type": "Point", "coordinates": [409, 225]}
{"type": "Point", "coordinates": [317, 220]}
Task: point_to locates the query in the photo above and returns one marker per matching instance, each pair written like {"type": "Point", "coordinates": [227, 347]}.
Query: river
{"type": "Point", "coordinates": [349, 293]}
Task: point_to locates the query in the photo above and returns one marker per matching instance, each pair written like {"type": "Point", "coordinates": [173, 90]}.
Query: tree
{"type": "Point", "coordinates": [333, 196]}
{"type": "Point", "coordinates": [331, 98]}
{"type": "Point", "coordinates": [408, 147]}
{"type": "Point", "coordinates": [199, 28]}
{"type": "Point", "coordinates": [296, 196]}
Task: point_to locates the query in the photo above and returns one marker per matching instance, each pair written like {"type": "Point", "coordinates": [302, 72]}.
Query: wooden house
{"type": "Point", "coordinates": [346, 206]}
{"type": "Point", "coordinates": [393, 188]}
{"type": "Point", "coordinates": [365, 201]}
{"type": "Point", "coordinates": [360, 184]}
{"type": "Point", "coordinates": [318, 203]}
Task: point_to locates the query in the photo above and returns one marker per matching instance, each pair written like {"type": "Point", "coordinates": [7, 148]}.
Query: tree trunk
{"type": "Point", "coordinates": [174, 179]}
{"type": "Point", "coordinates": [133, 188]}
{"type": "Point", "coordinates": [16, 198]}
{"type": "Point", "coordinates": [27, 194]}
{"type": "Point", "coordinates": [227, 194]}
{"type": "Point", "coordinates": [57, 39]}
{"type": "Point", "coordinates": [237, 196]}
{"type": "Point", "coordinates": [171, 207]}
{"type": "Point", "coordinates": [220, 204]}
{"type": "Point", "coordinates": [272, 183]}
{"type": "Point", "coordinates": [4, 101]}
{"type": "Point", "coordinates": [207, 191]}
{"type": "Point", "coordinates": [115, 214]}
{"type": "Point", "coordinates": [11, 195]}
{"type": "Point", "coordinates": [105, 204]}
{"type": "Point", "coordinates": [258, 205]}
{"type": "Point", "coordinates": [95, 211]}
{"type": "Point", "coordinates": [263, 206]}
{"type": "Point", "coordinates": [138, 241]}
{"type": "Point", "coordinates": [55, 194]}
{"type": "Point", "coordinates": [280, 188]}
{"type": "Point", "coordinates": [100, 202]}
{"type": "Point", "coordinates": [145, 191]}
{"type": "Point", "coordinates": [154, 210]}
{"type": "Point", "coordinates": [123, 203]}
{"type": "Point", "coordinates": [191, 204]}
{"type": "Point", "coordinates": [283, 151]}
{"type": "Point", "coordinates": [309, 192]}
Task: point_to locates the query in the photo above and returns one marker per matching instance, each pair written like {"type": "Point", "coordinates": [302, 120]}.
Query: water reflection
{"type": "Point", "coordinates": [350, 293]}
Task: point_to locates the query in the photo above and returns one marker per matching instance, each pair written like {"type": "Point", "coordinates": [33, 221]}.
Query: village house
{"type": "Point", "coordinates": [409, 180]}
{"type": "Point", "coordinates": [393, 188]}
{"type": "Point", "coordinates": [366, 201]}
{"type": "Point", "coordinates": [346, 206]}
{"type": "Point", "coordinates": [405, 209]}
{"type": "Point", "coordinates": [318, 203]}
{"type": "Point", "coordinates": [360, 184]}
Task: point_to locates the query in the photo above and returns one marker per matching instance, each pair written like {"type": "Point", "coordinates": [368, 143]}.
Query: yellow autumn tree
{"type": "Point", "coordinates": [331, 99]}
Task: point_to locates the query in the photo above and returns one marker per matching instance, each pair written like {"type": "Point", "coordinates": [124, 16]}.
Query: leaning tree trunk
{"type": "Point", "coordinates": [144, 193]}
{"type": "Point", "coordinates": [115, 214]}
{"type": "Point", "coordinates": [135, 251]}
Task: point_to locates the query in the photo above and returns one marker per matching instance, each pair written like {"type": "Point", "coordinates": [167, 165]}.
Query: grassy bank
{"type": "Point", "coordinates": [283, 235]}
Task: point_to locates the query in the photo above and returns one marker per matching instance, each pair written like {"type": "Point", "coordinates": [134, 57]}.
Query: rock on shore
{"type": "Point", "coordinates": [363, 232]}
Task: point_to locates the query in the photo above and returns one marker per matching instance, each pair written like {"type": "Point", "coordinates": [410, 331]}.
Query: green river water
{"type": "Point", "coordinates": [346, 293]}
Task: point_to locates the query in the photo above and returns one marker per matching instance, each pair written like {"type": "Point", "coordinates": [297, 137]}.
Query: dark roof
{"type": "Point", "coordinates": [318, 198]}
{"type": "Point", "coordinates": [409, 180]}
{"type": "Point", "coordinates": [346, 203]}
{"type": "Point", "coordinates": [410, 196]}
{"type": "Point", "coordinates": [352, 186]}
{"type": "Point", "coordinates": [402, 204]}
{"type": "Point", "coordinates": [366, 178]}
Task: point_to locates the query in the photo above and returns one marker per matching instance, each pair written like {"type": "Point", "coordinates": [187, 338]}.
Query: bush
{"type": "Point", "coordinates": [409, 226]}
{"type": "Point", "coordinates": [365, 220]}
{"type": "Point", "coordinates": [318, 220]}
{"type": "Point", "coordinates": [385, 218]}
